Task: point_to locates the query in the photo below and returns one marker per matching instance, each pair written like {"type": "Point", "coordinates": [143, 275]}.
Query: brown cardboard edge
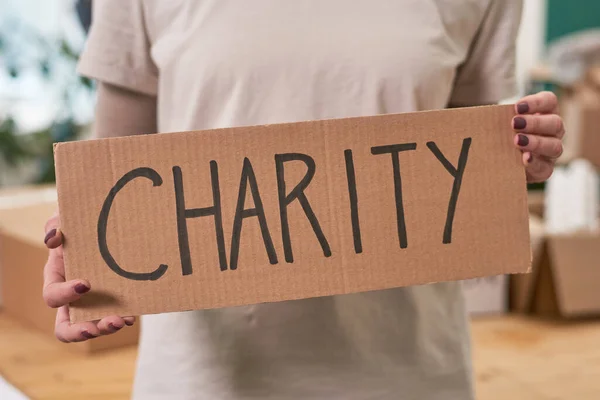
{"type": "Point", "coordinates": [58, 146]}
{"type": "Point", "coordinates": [55, 150]}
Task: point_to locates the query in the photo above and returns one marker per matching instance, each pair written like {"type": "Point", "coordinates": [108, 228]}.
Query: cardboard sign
{"type": "Point", "coordinates": [236, 216]}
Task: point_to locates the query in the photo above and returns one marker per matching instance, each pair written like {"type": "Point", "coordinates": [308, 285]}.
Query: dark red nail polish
{"type": "Point", "coordinates": [113, 328]}
{"type": "Point", "coordinates": [87, 335]}
{"type": "Point", "coordinates": [51, 233]}
{"type": "Point", "coordinates": [522, 108]}
{"type": "Point", "coordinates": [80, 288]}
{"type": "Point", "coordinates": [522, 140]}
{"type": "Point", "coordinates": [128, 323]}
{"type": "Point", "coordinates": [519, 123]}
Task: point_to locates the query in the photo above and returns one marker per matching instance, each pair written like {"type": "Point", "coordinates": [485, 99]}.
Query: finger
{"type": "Point", "coordinates": [538, 169]}
{"type": "Point", "coordinates": [542, 102]}
{"type": "Point", "coordinates": [54, 271]}
{"type": "Point", "coordinates": [527, 158]}
{"type": "Point", "coordinates": [547, 147]}
{"type": "Point", "coordinates": [547, 125]}
{"type": "Point", "coordinates": [67, 332]}
{"type": "Point", "coordinates": [129, 321]}
{"type": "Point", "coordinates": [111, 324]}
{"type": "Point", "coordinates": [57, 293]}
{"type": "Point", "coordinates": [54, 237]}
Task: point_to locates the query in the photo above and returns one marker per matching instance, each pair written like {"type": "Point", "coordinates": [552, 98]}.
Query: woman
{"type": "Point", "coordinates": [187, 65]}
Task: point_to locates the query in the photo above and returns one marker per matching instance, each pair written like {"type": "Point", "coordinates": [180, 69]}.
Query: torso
{"type": "Point", "coordinates": [227, 63]}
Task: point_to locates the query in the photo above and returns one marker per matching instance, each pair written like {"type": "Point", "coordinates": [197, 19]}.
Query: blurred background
{"type": "Point", "coordinates": [535, 336]}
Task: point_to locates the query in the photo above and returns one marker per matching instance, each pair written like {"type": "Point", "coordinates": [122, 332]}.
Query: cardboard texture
{"type": "Point", "coordinates": [23, 214]}
{"type": "Point", "coordinates": [227, 217]}
{"type": "Point", "coordinates": [564, 278]}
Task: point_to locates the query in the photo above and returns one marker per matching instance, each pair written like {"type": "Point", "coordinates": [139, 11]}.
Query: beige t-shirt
{"type": "Point", "coordinates": [220, 63]}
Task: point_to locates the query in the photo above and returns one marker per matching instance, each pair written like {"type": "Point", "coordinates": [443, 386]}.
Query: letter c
{"type": "Point", "coordinates": [103, 223]}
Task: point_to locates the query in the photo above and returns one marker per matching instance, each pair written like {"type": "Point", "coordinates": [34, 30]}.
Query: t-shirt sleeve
{"type": "Point", "coordinates": [117, 50]}
{"type": "Point", "coordinates": [487, 76]}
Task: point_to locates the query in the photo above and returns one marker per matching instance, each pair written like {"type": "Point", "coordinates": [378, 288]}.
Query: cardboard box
{"type": "Point", "coordinates": [580, 110]}
{"type": "Point", "coordinates": [23, 214]}
{"type": "Point", "coordinates": [565, 271]}
{"type": "Point", "coordinates": [564, 281]}
{"type": "Point", "coordinates": [247, 215]}
{"type": "Point", "coordinates": [486, 296]}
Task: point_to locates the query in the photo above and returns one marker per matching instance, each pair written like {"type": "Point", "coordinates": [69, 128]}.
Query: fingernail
{"type": "Point", "coordinates": [128, 323]}
{"type": "Point", "coordinates": [522, 140]}
{"type": "Point", "coordinates": [80, 288]}
{"type": "Point", "coordinates": [51, 233]}
{"type": "Point", "coordinates": [522, 108]}
{"type": "Point", "coordinates": [519, 123]}
{"type": "Point", "coordinates": [113, 328]}
{"type": "Point", "coordinates": [87, 335]}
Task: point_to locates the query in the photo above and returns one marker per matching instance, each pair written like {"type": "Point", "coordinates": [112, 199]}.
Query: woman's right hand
{"type": "Point", "coordinates": [58, 294]}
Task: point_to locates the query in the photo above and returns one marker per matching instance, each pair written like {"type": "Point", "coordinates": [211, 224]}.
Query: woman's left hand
{"type": "Point", "coordinates": [539, 134]}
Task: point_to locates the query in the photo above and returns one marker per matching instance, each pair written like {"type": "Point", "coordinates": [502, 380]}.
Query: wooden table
{"type": "Point", "coordinates": [515, 358]}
